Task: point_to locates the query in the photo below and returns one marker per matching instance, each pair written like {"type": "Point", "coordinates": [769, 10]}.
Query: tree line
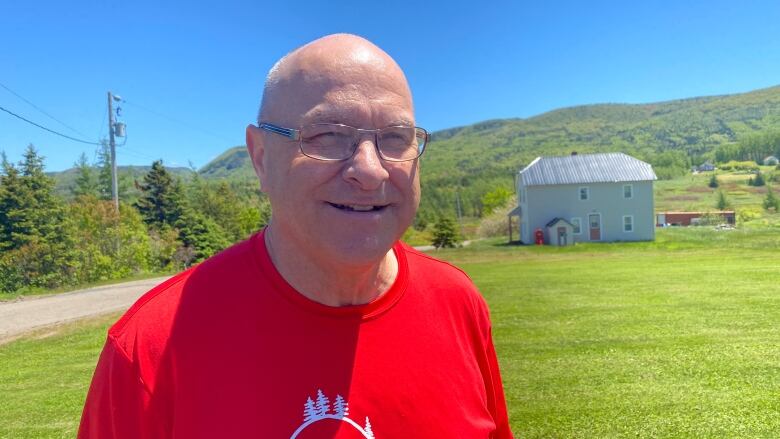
{"type": "Point", "coordinates": [754, 147]}
{"type": "Point", "coordinates": [48, 240]}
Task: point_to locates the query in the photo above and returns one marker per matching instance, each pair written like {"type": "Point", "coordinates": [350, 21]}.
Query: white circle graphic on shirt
{"type": "Point", "coordinates": [320, 409]}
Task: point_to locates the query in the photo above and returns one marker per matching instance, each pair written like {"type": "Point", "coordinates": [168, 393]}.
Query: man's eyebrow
{"type": "Point", "coordinates": [319, 115]}
{"type": "Point", "coordinates": [401, 122]}
{"type": "Point", "coordinates": [330, 116]}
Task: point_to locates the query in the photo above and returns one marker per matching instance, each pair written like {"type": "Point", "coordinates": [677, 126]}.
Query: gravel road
{"type": "Point", "coordinates": [30, 313]}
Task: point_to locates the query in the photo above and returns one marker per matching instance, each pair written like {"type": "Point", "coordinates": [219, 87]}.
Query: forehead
{"type": "Point", "coordinates": [356, 108]}
{"type": "Point", "coordinates": [357, 88]}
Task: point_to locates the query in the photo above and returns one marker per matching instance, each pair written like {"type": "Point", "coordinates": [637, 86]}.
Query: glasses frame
{"type": "Point", "coordinates": [295, 134]}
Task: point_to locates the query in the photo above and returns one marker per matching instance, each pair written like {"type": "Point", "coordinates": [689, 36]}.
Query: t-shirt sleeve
{"type": "Point", "coordinates": [118, 401]}
{"type": "Point", "coordinates": [498, 409]}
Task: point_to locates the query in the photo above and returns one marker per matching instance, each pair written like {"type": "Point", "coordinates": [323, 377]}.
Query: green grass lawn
{"type": "Point", "coordinates": [676, 338]}
{"type": "Point", "coordinates": [44, 379]}
{"type": "Point", "coordinates": [673, 338]}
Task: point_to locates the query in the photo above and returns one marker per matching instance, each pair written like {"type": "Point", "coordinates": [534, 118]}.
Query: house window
{"type": "Point", "coordinates": [577, 223]}
{"type": "Point", "coordinates": [584, 193]}
{"type": "Point", "coordinates": [628, 223]}
{"type": "Point", "coordinates": [628, 191]}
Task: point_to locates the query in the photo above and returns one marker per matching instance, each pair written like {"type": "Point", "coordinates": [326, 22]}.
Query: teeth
{"type": "Point", "coordinates": [356, 207]}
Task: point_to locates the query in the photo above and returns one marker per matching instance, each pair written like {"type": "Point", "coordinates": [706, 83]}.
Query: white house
{"type": "Point", "coordinates": [605, 197]}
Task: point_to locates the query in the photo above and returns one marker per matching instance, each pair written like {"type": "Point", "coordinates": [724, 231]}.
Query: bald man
{"type": "Point", "coordinates": [322, 325]}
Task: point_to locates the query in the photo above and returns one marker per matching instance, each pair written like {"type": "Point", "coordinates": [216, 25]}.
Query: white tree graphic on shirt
{"type": "Point", "coordinates": [321, 409]}
{"type": "Point", "coordinates": [340, 407]}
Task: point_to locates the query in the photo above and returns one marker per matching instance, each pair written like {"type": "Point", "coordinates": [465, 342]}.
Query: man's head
{"type": "Point", "coordinates": [346, 212]}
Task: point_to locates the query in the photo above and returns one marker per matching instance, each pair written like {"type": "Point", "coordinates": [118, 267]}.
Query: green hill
{"type": "Point", "coordinates": [233, 163]}
{"type": "Point", "coordinates": [126, 175]}
{"type": "Point", "coordinates": [466, 162]}
{"type": "Point", "coordinates": [670, 135]}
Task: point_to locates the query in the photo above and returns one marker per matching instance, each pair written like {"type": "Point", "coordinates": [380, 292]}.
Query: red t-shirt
{"type": "Point", "coordinates": [229, 349]}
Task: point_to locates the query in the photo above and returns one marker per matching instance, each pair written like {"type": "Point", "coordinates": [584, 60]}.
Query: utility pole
{"type": "Point", "coordinates": [457, 204]}
{"type": "Point", "coordinates": [114, 185]}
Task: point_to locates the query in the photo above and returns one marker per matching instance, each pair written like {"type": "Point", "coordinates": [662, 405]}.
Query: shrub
{"type": "Point", "coordinates": [496, 224]}
{"type": "Point", "coordinates": [757, 181]}
{"type": "Point", "coordinates": [746, 214]}
{"type": "Point", "coordinates": [733, 165]}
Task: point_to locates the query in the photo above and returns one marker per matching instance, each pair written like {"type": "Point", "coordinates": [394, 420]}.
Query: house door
{"type": "Point", "coordinates": [595, 226]}
{"type": "Point", "coordinates": [562, 236]}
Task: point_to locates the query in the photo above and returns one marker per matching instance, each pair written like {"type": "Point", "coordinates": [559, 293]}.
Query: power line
{"type": "Point", "coordinates": [180, 122]}
{"type": "Point", "coordinates": [48, 129]}
{"type": "Point", "coordinates": [41, 110]}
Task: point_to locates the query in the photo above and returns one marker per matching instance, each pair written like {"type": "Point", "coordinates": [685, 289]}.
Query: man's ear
{"type": "Point", "coordinates": [256, 149]}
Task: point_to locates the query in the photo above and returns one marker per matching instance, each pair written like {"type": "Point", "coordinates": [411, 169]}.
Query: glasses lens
{"type": "Point", "coordinates": [401, 143]}
{"type": "Point", "coordinates": [327, 141]}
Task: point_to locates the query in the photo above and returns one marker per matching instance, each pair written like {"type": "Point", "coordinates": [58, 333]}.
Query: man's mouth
{"type": "Point", "coordinates": [358, 207]}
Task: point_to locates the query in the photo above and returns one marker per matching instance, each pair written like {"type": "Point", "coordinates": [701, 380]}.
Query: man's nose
{"type": "Point", "coordinates": [366, 168]}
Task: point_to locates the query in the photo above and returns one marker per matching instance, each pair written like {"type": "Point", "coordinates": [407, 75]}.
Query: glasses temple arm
{"type": "Point", "coordinates": [286, 132]}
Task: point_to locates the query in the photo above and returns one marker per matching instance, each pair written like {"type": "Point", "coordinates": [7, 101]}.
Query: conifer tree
{"type": "Point", "coordinates": [86, 180]}
{"type": "Point", "coordinates": [200, 233]}
{"type": "Point", "coordinates": [723, 202]}
{"type": "Point", "coordinates": [104, 182]}
{"type": "Point", "coordinates": [35, 233]}
{"type": "Point", "coordinates": [770, 201]}
{"type": "Point", "coordinates": [11, 201]}
{"type": "Point", "coordinates": [713, 181]}
{"type": "Point", "coordinates": [444, 234]}
{"type": "Point", "coordinates": [161, 198]}
{"type": "Point", "coordinates": [759, 180]}
{"type": "Point", "coordinates": [31, 210]}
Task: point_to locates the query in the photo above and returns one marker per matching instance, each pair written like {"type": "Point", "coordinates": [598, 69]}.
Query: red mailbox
{"type": "Point", "coordinates": [539, 236]}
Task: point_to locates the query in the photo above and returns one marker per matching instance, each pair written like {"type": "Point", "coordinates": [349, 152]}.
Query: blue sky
{"type": "Point", "coordinates": [191, 73]}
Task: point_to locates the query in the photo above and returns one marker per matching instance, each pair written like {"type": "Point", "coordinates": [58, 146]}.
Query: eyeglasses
{"type": "Point", "coordinates": [333, 141]}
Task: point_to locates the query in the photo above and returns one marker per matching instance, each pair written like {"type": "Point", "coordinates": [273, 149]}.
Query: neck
{"type": "Point", "coordinates": [327, 282]}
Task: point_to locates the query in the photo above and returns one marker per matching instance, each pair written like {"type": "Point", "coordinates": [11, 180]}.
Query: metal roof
{"type": "Point", "coordinates": [557, 219]}
{"type": "Point", "coordinates": [586, 168]}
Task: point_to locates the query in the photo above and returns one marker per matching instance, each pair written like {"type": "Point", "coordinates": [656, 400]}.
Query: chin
{"type": "Point", "coordinates": [360, 251]}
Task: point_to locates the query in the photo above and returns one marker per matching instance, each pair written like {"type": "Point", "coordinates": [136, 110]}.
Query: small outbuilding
{"type": "Point", "coordinates": [560, 232]}
{"type": "Point", "coordinates": [705, 167]}
{"type": "Point", "coordinates": [666, 219]}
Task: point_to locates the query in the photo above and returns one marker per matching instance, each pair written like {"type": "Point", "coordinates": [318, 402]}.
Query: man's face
{"type": "Point", "coordinates": [346, 212]}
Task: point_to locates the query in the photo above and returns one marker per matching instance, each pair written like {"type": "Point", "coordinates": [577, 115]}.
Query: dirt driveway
{"type": "Point", "coordinates": [25, 315]}
{"type": "Point", "coordinates": [31, 313]}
